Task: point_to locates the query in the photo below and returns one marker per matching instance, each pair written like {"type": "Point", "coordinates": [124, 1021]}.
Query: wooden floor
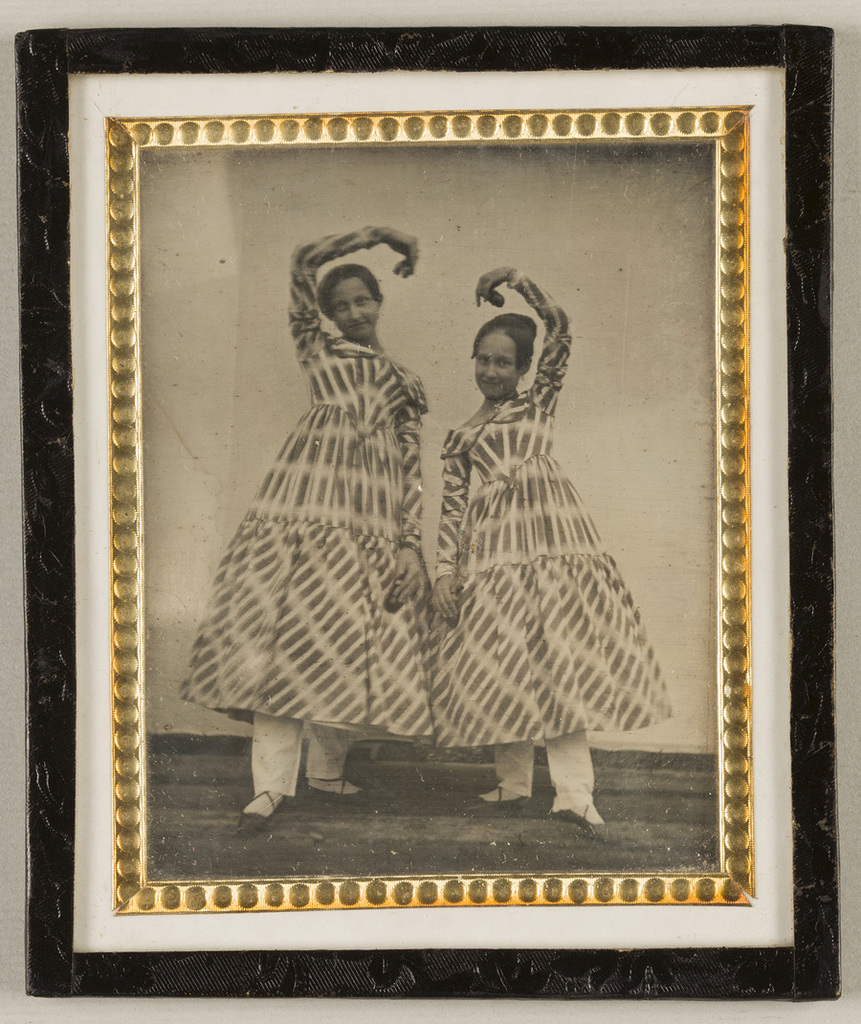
{"type": "Point", "coordinates": [415, 816]}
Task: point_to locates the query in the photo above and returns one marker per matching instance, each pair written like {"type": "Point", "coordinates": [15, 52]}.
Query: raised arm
{"type": "Point", "coordinates": [307, 259]}
{"type": "Point", "coordinates": [556, 346]}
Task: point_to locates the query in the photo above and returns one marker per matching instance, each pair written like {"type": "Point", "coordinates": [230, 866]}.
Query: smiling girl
{"type": "Point", "coordinates": [545, 640]}
{"type": "Point", "coordinates": [313, 623]}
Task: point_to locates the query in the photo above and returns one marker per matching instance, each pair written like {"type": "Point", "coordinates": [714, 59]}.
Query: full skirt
{"type": "Point", "coordinates": [542, 649]}
{"type": "Point", "coordinates": [297, 627]}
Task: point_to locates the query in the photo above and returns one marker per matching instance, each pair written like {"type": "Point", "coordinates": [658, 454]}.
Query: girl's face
{"type": "Point", "coordinates": [496, 371]}
{"type": "Point", "coordinates": [355, 311]}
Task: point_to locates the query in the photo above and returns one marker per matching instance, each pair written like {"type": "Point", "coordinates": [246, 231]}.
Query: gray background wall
{"type": "Point", "coordinates": [621, 235]}
{"type": "Point", "coordinates": [844, 15]}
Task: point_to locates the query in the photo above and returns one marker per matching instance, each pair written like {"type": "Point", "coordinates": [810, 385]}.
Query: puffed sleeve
{"type": "Point", "coordinates": [556, 346]}
{"type": "Point", "coordinates": [307, 259]}
{"type": "Point", "coordinates": [455, 497]}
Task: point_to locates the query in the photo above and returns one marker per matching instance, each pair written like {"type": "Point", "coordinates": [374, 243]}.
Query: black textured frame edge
{"type": "Point", "coordinates": [48, 500]}
{"type": "Point", "coordinates": [45, 58]}
{"type": "Point", "coordinates": [809, 97]}
{"type": "Point", "coordinates": [665, 973]}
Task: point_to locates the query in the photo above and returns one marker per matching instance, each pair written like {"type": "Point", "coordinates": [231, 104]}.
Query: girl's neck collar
{"type": "Point", "coordinates": [493, 407]}
{"type": "Point", "coordinates": [358, 346]}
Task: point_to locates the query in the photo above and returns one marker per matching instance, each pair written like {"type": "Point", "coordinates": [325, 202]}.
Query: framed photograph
{"type": "Point", "coordinates": [447, 537]}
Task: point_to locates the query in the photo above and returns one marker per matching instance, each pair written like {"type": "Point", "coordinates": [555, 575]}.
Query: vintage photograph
{"type": "Point", "coordinates": [426, 449]}
{"type": "Point", "coordinates": [430, 518]}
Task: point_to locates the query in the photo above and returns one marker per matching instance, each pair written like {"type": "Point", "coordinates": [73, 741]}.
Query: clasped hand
{"type": "Point", "coordinates": [409, 575]}
{"type": "Point", "coordinates": [445, 599]}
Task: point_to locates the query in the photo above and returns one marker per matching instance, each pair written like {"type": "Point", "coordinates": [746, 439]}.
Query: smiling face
{"type": "Point", "coordinates": [496, 371]}
{"type": "Point", "coordinates": [355, 311]}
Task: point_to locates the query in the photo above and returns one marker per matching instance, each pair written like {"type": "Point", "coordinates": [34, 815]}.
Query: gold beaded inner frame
{"type": "Point", "coordinates": [728, 130]}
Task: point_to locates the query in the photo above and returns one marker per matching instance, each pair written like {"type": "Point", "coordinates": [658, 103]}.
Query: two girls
{"type": "Point", "coordinates": [314, 622]}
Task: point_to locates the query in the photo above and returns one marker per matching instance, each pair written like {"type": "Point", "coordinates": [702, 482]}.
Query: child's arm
{"type": "Point", "coordinates": [455, 498]}
{"type": "Point", "coordinates": [307, 259]}
{"type": "Point", "coordinates": [407, 431]}
{"type": "Point", "coordinates": [556, 347]}
{"type": "Point", "coordinates": [410, 569]}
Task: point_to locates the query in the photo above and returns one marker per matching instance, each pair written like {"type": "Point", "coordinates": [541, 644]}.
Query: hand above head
{"type": "Point", "coordinates": [488, 283]}
{"type": "Point", "coordinates": [406, 245]}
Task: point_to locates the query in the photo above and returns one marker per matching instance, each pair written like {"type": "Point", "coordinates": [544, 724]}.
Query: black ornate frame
{"type": "Point", "coordinates": [809, 968]}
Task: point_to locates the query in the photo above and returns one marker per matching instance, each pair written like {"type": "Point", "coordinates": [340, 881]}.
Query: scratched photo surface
{"type": "Point", "coordinates": [622, 236]}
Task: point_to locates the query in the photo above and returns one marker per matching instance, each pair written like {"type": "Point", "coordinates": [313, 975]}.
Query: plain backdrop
{"type": "Point", "coordinates": [621, 235]}
{"type": "Point", "coordinates": [845, 17]}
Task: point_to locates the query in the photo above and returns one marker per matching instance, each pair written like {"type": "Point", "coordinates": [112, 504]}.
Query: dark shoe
{"type": "Point", "coordinates": [251, 821]}
{"type": "Point", "coordinates": [250, 824]}
{"type": "Point", "coordinates": [502, 809]}
{"type": "Point", "coordinates": [342, 789]}
{"type": "Point", "coordinates": [599, 832]}
{"type": "Point", "coordinates": [497, 808]}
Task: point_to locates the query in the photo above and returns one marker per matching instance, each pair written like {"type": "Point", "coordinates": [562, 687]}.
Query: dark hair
{"type": "Point", "coordinates": [521, 329]}
{"type": "Point", "coordinates": [344, 273]}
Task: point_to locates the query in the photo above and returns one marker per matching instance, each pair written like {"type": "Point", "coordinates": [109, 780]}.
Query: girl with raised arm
{"type": "Point", "coordinates": [545, 641]}
{"type": "Point", "coordinates": [313, 621]}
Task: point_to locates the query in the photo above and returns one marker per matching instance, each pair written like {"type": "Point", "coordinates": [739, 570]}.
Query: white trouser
{"type": "Point", "coordinates": [276, 751]}
{"type": "Point", "coordinates": [570, 763]}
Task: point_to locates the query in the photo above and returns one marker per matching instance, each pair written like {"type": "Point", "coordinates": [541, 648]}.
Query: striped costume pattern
{"type": "Point", "coordinates": [297, 625]}
{"type": "Point", "coordinates": [549, 640]}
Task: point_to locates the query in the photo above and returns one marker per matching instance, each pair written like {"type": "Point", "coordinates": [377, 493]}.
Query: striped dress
{"type": "Point", "coordinates": [549, 640]}
{"type": "Point", "coordinates": [297, 625]}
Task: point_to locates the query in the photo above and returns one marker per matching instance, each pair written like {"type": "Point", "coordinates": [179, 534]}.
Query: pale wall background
{"type": "Point", "coordinates": [621, 235]}
{"type": "Point", "coordinates": [845, 16]}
